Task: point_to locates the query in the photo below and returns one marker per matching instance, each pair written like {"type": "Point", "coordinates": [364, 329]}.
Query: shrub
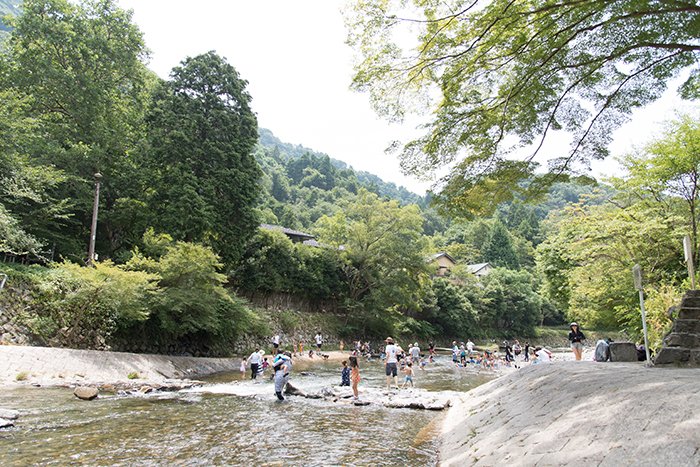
{"type": "Point", "coordinates": [82, 307]}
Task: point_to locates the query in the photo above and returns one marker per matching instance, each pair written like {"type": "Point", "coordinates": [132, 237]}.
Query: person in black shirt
{"type": "Point", "coordinates": [576, 339]}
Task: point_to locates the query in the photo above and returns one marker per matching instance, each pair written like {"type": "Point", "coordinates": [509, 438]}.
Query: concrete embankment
{"type": "Point", "coordinates": [54, 366]}
{"type": "Point", "coordinates": [578, 413]}
{"type": "Point", "coordinates": [48, 366]}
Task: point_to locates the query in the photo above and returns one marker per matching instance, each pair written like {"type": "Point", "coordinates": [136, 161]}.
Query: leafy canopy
{"type": "Point", "coordinates": [500, 74]}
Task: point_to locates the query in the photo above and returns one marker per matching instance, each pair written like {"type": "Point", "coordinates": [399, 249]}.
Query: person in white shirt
{"type": "Point", "coordinates": [254, 360]}
{"type": "Point", "coordinates": [319, 341]}
{"type": "Point", "coordinates": [414, 352]}
{"type": "Point", "coordinates": [542, 355]}
{"type": "Point", "coordinates": [470, 346]}
{"type": "Point", "coordinates": [391, 365]}
{"type": "Point", "coordinates": [276, 341]}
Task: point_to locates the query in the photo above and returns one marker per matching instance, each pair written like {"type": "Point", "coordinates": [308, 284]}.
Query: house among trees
{"type": "Point", "coordinates": [443, 261]}
{"type": "Point", "coordinates": [480, 269]}
{"type": "Point", "coordinates": [295, 236]}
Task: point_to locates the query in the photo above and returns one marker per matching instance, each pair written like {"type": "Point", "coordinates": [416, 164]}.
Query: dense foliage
{"type": "Point", "coordinates": [494, 75]}
{"type": "Point", "coordinates": [188, 178]}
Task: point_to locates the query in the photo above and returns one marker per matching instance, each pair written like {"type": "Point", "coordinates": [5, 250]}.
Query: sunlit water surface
{"type": "Point", "coordinates": [241, 424]}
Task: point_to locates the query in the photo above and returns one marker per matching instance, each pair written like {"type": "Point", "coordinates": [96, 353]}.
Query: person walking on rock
{"type": "Point", "coordinates": [576, 339]}
{"type": "Point", "coordinates": [391, 351]}
{"type": "Point", "coordinates": [319, 341]}
{"type": "Point", "coordinates": [254, 361]}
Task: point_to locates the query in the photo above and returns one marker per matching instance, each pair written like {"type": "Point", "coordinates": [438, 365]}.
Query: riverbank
{"type": "Point", "coordinates": [49, 366]}
{"type": "Point", "coordinates": [581, 413]}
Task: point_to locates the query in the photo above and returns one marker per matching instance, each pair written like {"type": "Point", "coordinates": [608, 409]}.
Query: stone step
{"type": "Point", "coordinates": [692, 293]}
{"type": "Point", "coordinates": [689, 313]}
{"type": "Point", "coordinates": [669, 355]}
{"type": "Point", "coordinates": [691, 302]}
{"type": "Point", "coordinates": [675, 339]}
{"type": "Point", "coordinates": [686, 326]}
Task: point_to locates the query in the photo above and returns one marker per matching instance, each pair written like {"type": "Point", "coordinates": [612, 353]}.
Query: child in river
{"type": "Point", "coordinates": [345, 375]}
{"type": "Point", "coordinates": [243, 365]}
{"type": "Point", "coordinates": [408, 374]}
{"type": "Point", "coordinates": [354, 375]}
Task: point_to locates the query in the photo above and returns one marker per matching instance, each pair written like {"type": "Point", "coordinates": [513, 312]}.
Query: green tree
{"type": "Point", "coordinates": [499, 250]}
{"type": "Point", "coordinates": [383, 248]}
{"type": "Point", "coordinates": [203, 176]}
{"type": "Point", "coordinates": [510, 304]}
{"type": "Point", "coordinates": [493, 73]}
{"type": "Point", "coordinates": [79, 68]}
{"type": "Point", "coordinates": [670, 166]}
{"type": "Point", "coordinates": [191, 301]}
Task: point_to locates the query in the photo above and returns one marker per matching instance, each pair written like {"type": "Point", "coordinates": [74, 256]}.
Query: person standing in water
{"type": "Point", "coordinates": [576, 338]}
{"type": "Point", "coordinates": [255, 360]}
{"type": "Point", "coordinates": [354, 375]}
{"type": "Point", "coordinates": [282, 365]}
{"type": "Point", "coordinates": [391, 366]}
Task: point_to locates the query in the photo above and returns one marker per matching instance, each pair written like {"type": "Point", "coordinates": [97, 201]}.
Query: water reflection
{"type": "Point", "coordinates": [188, 428]}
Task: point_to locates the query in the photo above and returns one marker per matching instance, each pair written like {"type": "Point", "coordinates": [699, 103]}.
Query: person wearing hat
{"type": "Point", "coordinates": [391, 366]}
{"type": "Point", "coordinates": [576, 339]}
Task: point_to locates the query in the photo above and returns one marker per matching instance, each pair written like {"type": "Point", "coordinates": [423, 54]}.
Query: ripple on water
{"type": "Point", "coordinates": [222, 428]}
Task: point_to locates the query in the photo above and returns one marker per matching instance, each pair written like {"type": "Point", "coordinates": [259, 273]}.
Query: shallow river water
{"type": "Point", "coordinates": [234, 422]}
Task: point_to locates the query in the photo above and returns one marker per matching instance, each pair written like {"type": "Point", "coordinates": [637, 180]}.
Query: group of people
{"type": "Point", "coordinates": [398, 361]}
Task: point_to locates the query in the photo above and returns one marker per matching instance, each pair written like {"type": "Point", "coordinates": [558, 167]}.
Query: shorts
{"type": "Point", "coordinates": [391, 369]}
{"type": "Point", "coordinates": [577, 345]}
{"type": "Point", "coordinates": [319, 346]}
{"type": "Point", "coordinates": [275, 345]}
{"type": "Point", "coordinates": [408, 379]}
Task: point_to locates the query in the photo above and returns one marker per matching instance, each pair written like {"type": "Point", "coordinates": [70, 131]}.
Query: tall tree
{"type": "Point", "coordinates": [670, 165]}
{"type": "Point", "coordinates": [499, 250]}
{"type": "Point", "coordinates": [80, 68]}
{"type": "Point", "coordinates": [384, 249]}
{"type": "Point", "coordinates": [203, 177]}
{"type": "Point", "coordinates": [494, 72]}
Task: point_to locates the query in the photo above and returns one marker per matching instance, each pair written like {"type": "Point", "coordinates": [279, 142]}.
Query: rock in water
{"type": "Point", "coordinates": [85, 393]}
{"type": "Point", "coordinates": [294, 391]}
{"type": "Point", "coordinates": [5, 423]}
{"type": "Point", "coordinates": [8, 414]}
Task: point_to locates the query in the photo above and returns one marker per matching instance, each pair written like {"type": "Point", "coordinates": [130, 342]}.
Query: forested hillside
{"type": "Point", "coordinates": [186, 177]}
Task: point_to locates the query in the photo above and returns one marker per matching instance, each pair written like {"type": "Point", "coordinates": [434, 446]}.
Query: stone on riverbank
{"type": "Point", "coordinates": [5, 423]}
{"type": "Point", "coordinates": [85, 393]}
{"type": "Point", "coordinates": [623, 352]}
{"type": "Point", "coordinates": [9, 414]}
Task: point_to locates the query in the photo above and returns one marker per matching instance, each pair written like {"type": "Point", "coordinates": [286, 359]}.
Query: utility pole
{"type": "Point", "coordinates": [93, 228]}
{"type": "Point", "coordinates": [637, 274]}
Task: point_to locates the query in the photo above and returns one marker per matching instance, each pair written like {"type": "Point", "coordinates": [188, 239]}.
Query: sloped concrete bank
{"type": "Point", "coordinates": [54, 366]}
{"type": "Point", "coordinates": [578, 413]}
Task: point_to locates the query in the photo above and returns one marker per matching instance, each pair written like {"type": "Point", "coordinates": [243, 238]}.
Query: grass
{"type": "Point", "coordinates": [133, 375]}
{"type": "Point", "coordinates": [22, 376]}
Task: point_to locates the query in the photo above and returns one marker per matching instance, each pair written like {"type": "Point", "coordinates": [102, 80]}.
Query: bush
{"type": "Point", "coordinates": [82, 307]}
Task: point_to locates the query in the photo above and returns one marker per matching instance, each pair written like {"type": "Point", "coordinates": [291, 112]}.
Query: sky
{"type": "Point", "coordinates": [298, 67]}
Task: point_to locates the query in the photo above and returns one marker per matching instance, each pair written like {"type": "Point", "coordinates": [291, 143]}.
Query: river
{"type": "Point", "coordinates": [230, 421]}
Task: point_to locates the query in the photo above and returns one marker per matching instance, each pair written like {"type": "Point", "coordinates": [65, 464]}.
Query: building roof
{"type": "Point", "coordinates": [474, 268]}
{"type": "Point", "coordinates": [286, 231]}
{"type": "Point", "coordinates": [435, 256]}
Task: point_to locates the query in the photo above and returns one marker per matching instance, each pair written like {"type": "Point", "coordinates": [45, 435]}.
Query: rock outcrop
{"type": "Point", "coordinates": [682, 345]}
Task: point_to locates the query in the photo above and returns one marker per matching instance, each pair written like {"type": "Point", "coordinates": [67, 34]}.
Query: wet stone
{"type": "Point", "coordinates": [85, 393]}
{"type": "Point", "coordinates": [9, 414]}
